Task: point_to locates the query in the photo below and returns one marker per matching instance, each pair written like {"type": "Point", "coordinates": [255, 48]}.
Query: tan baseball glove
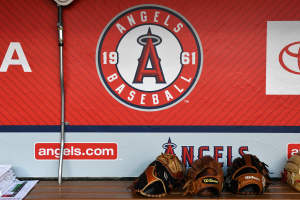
{"type": "Point", "coordinates": [292, 171]}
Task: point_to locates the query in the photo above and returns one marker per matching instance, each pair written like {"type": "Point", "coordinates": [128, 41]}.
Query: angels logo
{"type": "Point", "coordinates": [149, 57]}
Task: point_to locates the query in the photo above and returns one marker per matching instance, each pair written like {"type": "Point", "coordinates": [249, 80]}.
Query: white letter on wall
{"type": "Point", "coordinates": [8, 60]}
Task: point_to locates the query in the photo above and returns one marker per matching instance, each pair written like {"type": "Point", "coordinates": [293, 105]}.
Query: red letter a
{"type": "Point", "coordinates": [149, 53]}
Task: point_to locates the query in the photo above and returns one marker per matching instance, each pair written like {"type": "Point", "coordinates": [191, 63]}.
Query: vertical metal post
{"type": "Point", "coordinates": [62, 133]}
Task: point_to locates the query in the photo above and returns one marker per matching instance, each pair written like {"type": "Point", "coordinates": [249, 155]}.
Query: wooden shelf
{"type": "Point", "coordinates": [119, 190]}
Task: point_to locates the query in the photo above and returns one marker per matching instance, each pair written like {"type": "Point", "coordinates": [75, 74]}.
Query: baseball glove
{"type": "Point", "coordinates": [205, 178]}
{"type": "Point", "coordinates": [248, 175]}
{"type": "Point", "coordinates": [292, 172]}
{"type": "Point", "coordinates": [160, 177]}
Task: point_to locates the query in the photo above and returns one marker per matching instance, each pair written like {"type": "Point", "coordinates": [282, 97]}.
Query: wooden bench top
{"type": "Point", "coordinates": [119, 190]}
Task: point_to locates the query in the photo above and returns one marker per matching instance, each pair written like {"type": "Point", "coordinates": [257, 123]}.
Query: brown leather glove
{"type": "Point", "coordinates": [248, 175]}
{"type": "Point", "coordinates": [205, 178]}
{"type": "Point", "coordinates": [160, 177]}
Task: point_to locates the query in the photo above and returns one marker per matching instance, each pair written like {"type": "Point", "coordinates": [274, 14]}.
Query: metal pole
{"type": "Point", "coordinates": [62, 133]}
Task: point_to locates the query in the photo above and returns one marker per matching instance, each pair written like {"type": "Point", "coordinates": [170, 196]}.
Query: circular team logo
{"type": "Point", "coordinates": [289, 58]}
{"type": "Point", "coordinates": [149, 57]}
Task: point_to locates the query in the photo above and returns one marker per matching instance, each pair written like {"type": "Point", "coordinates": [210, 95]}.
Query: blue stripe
{"type": "Point", "coordinates": [191, 129]}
